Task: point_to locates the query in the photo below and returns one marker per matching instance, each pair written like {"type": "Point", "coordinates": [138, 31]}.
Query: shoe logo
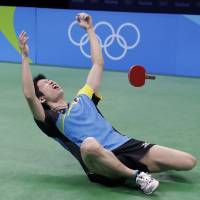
{"type": "Point", "coordinates": [145, 144]}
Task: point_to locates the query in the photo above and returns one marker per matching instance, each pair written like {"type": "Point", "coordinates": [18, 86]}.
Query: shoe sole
{"type": "Point", "coordinates": [154, 188]}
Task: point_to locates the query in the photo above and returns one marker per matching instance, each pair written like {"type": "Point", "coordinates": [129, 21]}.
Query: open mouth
{"type": "Point", "coordinates": [55, 86]}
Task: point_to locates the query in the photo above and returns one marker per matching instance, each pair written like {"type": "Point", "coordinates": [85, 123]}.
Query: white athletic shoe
{"type": "Point", "coordinates": [146, 183]}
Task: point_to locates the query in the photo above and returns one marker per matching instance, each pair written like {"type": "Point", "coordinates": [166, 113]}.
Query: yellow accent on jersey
{"type": "Point", "coordinates": [87, 90]}
{"type": "Point", "coordinates": [63, 122]}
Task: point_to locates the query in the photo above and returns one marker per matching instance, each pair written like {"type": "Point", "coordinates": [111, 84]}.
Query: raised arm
{"type": "Point", "coordinates": [27, 80]}
{"type": "Point", "coordinates": [95, 74]}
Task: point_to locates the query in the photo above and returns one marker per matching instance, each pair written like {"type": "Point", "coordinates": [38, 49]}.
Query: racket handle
{"type": "Point", "coordinates": [150, 77]}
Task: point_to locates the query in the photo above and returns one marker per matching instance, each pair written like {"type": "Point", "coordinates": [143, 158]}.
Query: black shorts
{"type": "Point", "coordinates": [130, 155]}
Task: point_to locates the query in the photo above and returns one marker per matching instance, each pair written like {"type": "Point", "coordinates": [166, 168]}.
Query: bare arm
{"type": "Point", "coordinates": [27, 81]}
{"type": "Point", "coordinates": [95, 74]}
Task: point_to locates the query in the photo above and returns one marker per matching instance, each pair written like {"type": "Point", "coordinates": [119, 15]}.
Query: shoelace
{"type": "Point", "coordinates": [146, 178]}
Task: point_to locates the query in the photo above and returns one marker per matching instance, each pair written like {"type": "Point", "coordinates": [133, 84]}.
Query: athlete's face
{"type": "Point", "coordinates": [51, 90]}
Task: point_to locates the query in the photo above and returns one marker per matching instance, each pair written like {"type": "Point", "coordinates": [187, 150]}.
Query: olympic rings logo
{"type": "Point", "coordinates": [109, 40]}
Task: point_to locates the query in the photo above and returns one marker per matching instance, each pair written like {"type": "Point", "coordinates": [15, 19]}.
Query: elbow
{"type": "Point", "coordinates": [99, 63]}
{"type": "Point", "coordinates": [28, 95]}
{"type": "Point", "coordinates": [102, 63]}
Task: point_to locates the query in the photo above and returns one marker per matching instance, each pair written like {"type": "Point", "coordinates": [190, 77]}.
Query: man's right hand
{"type": "Point", "coordinates": [23, 44]}
{"type": "Point", "coordinates": [84, 20]}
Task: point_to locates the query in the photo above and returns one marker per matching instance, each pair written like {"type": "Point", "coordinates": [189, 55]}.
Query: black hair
{"type": "Point", "coordinates": [37, 90]}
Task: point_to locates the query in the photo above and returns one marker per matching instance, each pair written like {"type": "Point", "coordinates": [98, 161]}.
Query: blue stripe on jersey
{"type": "Point", "coordinates": [83, 120]}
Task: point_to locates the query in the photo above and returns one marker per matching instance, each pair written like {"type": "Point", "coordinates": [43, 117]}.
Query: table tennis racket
{"type": "Point", "coordinates": [137, 76]}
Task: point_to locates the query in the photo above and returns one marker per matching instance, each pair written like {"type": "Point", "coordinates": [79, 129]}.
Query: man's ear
{"type": "Point", "coordinates": [42, 99]}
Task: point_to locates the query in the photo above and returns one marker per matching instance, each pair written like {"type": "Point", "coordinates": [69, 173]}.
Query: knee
{"type": "Point", "coordinates": [90, 146]}
{"type": "Point", "coordinates": [190, 162]}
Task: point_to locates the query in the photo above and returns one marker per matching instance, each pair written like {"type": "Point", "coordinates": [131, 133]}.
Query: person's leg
{"type": "Point", "coordinates": [160, 158]}
{"type": "Point", "coordinates": [105, 163]}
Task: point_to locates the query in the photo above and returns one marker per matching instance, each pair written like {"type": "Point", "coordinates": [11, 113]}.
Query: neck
{"type": "Point", "coordinates": [61, 104]}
